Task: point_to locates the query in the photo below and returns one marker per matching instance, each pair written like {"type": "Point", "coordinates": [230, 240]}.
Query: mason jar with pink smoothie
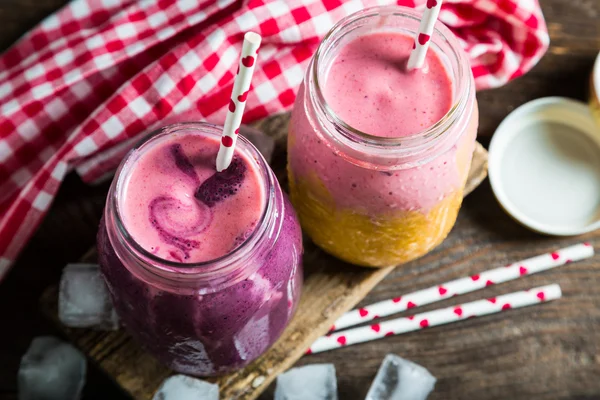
{"type": "Point", "coordinates": [378, 156]}
{"type": "Point", "coordinates": [204, 267]}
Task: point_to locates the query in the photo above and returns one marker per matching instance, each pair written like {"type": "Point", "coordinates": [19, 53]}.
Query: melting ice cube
{"type": "Point", "coordinates": [51, 370]}
{"type": "Point", "coordinates": [311, 382]}
{"type": "Point", "coordinates": [400, 379]}
{"type": "Point", "coordinates": [181, 387]}
{"type": "Point", "coordinates": [83, 300]}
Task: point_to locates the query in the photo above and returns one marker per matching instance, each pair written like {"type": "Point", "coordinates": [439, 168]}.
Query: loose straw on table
{"type": "Point", "coordinates": [465, 285]}
{"type": "Point", "coordinates": [423, 36]}
{"type": "Point", "coordinates": [237, 102]}
{"type": "Point", "coordinates": [437, 317]}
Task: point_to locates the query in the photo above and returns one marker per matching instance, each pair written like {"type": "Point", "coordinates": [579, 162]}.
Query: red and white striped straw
{"type": "Point", "coordinates": [237, 102]}
{"type": "Point", "coordinates": [465, 285]}
{"type": "Point", "coordinates": [437, 317]}
{"type": "Point", "coordinates": [423, 36]}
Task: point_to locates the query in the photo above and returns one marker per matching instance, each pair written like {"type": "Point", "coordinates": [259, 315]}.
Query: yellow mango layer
{"type": "Point", "coordinates": [391, 239]}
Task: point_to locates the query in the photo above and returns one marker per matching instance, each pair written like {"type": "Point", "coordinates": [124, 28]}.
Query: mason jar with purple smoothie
{"type": "Point", "coordinates": [204, 267]}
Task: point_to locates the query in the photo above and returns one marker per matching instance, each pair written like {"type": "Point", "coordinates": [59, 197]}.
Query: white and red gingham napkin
{"type": "Point", "coordinates": [77, 90]}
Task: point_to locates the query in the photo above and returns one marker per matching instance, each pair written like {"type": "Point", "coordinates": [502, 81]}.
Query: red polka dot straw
{"type": "Point", "coordinates": [434, 318]}
{"type": "Point", "coordinates": [465, 285]}
{"type": "Point", "coordinates": [423, 35]}
{"type": "Point", "coordinates": [237, 102]}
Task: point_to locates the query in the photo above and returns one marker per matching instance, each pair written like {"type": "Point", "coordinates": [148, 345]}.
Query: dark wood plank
{"type": "Point", "coordinates": [543, 352]}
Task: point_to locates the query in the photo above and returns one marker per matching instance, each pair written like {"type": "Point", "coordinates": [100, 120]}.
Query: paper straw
{"type": "Point", "coordinates": [423, 36]}
{"type": "Point", "coordinates": [237, 102]}
{"type": "Point", "coordinates": [465, 285]}
{"type": "Point", "coordinates": [437, 317]}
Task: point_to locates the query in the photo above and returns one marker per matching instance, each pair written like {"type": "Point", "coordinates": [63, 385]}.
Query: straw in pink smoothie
{"type": "Point", "coordinates": [423, 36]}
{"type": "Point", "coordinates": [237, 102]}
{"type": "Point", "coordinates": [437, 317]}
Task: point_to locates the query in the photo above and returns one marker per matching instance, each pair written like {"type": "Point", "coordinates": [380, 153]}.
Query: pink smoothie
{"type": "Point", "coordinates": [177, 207]}
{"type": "Point", "coordinates": [368, 87]}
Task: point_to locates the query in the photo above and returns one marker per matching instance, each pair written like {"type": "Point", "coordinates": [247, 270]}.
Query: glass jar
{"type": "Point", "coordinates": [370, 200]}
{"type": "Point", "coordinates": [211, 317]}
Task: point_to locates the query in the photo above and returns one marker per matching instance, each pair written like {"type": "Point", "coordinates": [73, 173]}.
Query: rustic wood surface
{"type": "Point", "coordinates": [543, 352]}
{"type": "Point", "coordinates": [331, 287]}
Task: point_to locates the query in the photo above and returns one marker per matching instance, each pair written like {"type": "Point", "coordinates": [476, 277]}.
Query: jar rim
{"type": "Point", "coordinates": [349, 135]}
{"type": "Point", "coordinates": [228, 261]}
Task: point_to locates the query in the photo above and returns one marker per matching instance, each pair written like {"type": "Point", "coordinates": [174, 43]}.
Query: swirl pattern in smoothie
{"type": "Point", "coordinates": [166, 217]}
{"type": "Point", "coordinates": [177, 207]}
{"type": "Point", "coordinates": [182, 161]}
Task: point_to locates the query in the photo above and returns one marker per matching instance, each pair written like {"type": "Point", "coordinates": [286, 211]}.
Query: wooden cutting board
{"type": "Point", "coordinates": [331, 287]}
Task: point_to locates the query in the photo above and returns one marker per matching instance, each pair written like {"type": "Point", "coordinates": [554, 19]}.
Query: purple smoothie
{"type": "Point", "coordinates": [198, 311]}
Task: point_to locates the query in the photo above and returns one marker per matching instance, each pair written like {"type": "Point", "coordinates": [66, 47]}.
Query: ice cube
{"type": "Point", "coordinates": [83, 300]}
{"type": "Point", "coordinates": [51, 370]}
{"type": "Point", "coordinates": [400, 379]}
{"type": "Point", "coordinates": [263, 142]}
{"type": "Point", "coordinates": [311, 382]}
{"type": "Point", "coordinates": [181, 387]}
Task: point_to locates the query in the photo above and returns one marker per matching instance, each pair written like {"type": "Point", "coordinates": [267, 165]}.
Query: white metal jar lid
{"type": "Point", "coordinates": [544, 166]}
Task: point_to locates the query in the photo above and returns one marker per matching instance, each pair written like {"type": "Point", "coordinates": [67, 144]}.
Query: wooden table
{"type": "Point", "coordinates": [546, 352]}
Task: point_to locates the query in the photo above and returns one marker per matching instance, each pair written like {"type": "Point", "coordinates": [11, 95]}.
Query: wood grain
{"type": "Point", "coordinates": [547, 352]}
{"type": "Point", "coordinates": [331, 287]}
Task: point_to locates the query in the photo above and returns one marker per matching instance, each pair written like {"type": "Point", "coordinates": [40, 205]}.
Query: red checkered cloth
{"type": "Point", "coordinates": [77, 90]}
